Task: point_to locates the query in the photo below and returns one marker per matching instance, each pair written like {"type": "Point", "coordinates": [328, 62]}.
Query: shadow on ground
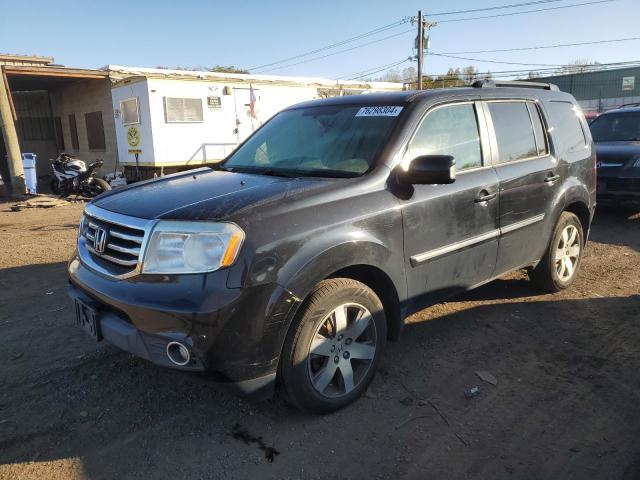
{"type": "Point", "coordinates": [565, 406]}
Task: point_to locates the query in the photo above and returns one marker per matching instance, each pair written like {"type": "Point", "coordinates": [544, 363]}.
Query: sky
{"type": "Point", "coordinates": [247, 34]}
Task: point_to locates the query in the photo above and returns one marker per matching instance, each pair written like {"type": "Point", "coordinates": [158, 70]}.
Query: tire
{"type": "Point", "coordinates": [318, 381]}
{"type": "Point", "coordinates": [98, 186]}
{"type": "Point", "coordinates": [55, 187]}
{"type": "Point", "coordinates": [559, 266]}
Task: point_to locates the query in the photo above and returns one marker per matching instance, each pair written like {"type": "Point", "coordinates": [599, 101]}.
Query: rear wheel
{"type": "Point", "coordinates": [334, 346]}
{"type": "Point", "coordinates": [97, 186]}
{"type": "Point", "coordinates": [558, 268]}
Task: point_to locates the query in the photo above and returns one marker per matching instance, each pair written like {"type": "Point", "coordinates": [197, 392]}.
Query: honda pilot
{"type": "Point", "coordinates": [294, 260]}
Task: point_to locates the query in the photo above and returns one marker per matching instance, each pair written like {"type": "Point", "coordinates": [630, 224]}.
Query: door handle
{"type": "Point", "coordinates": [552, 177]}
{"type": "Point", "coordinates": [484, 196]}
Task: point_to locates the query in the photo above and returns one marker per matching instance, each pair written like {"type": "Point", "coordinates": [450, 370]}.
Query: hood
{"type": "Point", "coordinates": [617, 154]}
{"type": "Point", "coordinates": [203, 194]}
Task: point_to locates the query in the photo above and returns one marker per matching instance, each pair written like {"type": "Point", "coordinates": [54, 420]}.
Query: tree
{"type": "Point", "coordinates": [469, 74]}
{"type": "Point", "coordinates": [579, 65]}
{"type": "Point", "coordinates": [392, 75]}
{"type": "Point", "coordinates": [229, 69]}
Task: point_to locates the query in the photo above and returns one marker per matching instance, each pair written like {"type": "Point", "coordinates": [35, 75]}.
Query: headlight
{"type": "Point", "coordinates": [191, 247]}
{"type": "Point", "coordinates": [637, 163]}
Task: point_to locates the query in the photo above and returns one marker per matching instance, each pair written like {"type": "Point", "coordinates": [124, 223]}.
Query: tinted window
{"type": "Point", "coordinates": [514, 131]}
{"type": "Point", "coordinates": [538, 129]}
{"type": "Point", "coordinates": [450, 130]}
{"type": "Point", "coordinates": [567, 128]}
{"type": "Point", "coordinates": [616, 127]}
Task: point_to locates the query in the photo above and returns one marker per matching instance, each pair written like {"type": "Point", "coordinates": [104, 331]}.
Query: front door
{"type": "Point", "coordinates": [451, 231]}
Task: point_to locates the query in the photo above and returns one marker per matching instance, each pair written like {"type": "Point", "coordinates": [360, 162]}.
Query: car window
{"type": "Point", "coordinates": [616, 127]}
{"type": "Point", "coordinates": [538, 129]}
{"type": "Point", "coordinates": [335, 140]}
{"type": "Point", "coordinates": [567, 128]}
{"type": "Point", "coordinates": [514, 131]}
{"type": "Point", "coordinates": [450, 130]}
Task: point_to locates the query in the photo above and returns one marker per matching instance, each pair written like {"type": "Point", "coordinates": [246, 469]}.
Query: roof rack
{"type": "Point", "coordinates": [630, 105]}
{"type": "Point", "coordinates": [488, 83]}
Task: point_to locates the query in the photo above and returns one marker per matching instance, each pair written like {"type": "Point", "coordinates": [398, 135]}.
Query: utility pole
{"type": "Point", "coordinates": [420, 47]}
{"type": "Point", "coordinates": [420, 44]}
{"type": "Point", "coordinates": [8, 127]}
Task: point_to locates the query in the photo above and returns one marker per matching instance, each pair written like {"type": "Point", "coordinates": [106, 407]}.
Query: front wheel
{"type": "Point", "coordinates": [558, 267]}
{"type": "Point", "coordinates": [55, 187]}
{"type": "Point", "coordinates": [334, 346]}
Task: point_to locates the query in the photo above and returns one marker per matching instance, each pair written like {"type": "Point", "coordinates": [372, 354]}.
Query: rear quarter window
{"type": "Point", "coordinates": [567, 126]}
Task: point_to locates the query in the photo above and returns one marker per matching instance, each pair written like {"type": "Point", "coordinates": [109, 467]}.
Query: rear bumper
{"type": "Point", "coordinates": [235, 333]}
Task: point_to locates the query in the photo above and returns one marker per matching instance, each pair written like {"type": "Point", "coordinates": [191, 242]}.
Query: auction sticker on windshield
{"type": "Point", "coordinates": [389, 111]}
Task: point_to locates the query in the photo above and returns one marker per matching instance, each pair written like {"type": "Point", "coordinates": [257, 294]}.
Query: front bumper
{"type": "Point", "coordinates": [235, 332]}
{"type": "Point", "coordinates": [618, 190]}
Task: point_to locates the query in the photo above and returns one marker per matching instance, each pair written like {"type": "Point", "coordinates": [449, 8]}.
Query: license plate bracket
{"type": "Point", "coordinates": [87, 318]}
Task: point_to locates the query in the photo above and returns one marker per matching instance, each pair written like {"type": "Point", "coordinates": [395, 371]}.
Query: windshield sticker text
{"type": "Point", "coordinates": [379, 111]}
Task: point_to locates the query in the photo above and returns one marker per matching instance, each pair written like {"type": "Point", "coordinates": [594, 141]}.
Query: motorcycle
{"type": "Point", "coordinates": [70, 175]}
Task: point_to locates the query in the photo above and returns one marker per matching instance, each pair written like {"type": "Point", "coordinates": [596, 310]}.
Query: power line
{"type": "Point", "coordinates": [554, 72]}
{"type": "Point", "coordinates": [338, 51]}
{"type": "Point", "coordinates": [337, 44]}
{"type": "Point", "coordinates": [541, 47]}
{"type": "Point", "coordinates": [372, 70]}
{"type": "Point", "coordinates": [495, 61]}
{"type": "Point", "coordinates": [526, 11]}
{"type": "Point", "coordinates": [497, 7]}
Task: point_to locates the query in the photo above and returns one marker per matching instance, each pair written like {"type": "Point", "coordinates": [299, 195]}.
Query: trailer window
{"type": "Point", "coordinates": [129, 111]}
{"type": "Point", "coordinates": [180, 110]}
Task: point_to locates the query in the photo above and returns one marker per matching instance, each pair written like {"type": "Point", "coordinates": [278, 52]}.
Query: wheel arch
{"type": "Point", "coordinates": [580, 209]}
{"type": "Point", "coordinates": [382, 285]}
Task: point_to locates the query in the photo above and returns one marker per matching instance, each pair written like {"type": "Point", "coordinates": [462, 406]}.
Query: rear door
{"type": "Point", "coordinates": [529, 177]}
{"type": "Point", "coordinates": [451, 231]}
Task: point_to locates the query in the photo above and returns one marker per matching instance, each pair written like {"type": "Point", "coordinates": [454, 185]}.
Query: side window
{"type": "Point", "coordinates": [567, 127]}
{"type": "Point", "coordinates": [129, 111]}
{"type": "Point", "coordinates": [514, 131]}
{"type": "Point", "coordinates": [450, 130]}
{"type": "Point", "coordinates": [538, 130]}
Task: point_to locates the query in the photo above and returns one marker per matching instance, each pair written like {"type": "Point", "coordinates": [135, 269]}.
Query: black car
{"type": "Point", "coordinates": [296, 258]}
{"type": "Point", "coordinates": [617, 137]}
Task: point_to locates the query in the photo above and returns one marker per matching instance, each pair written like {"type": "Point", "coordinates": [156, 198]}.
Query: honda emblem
{"type": "Point", "coordinates": [100, 240]}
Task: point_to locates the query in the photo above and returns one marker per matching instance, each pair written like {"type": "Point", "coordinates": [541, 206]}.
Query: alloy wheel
{"type": "Point", "coordinates": [567, 253]}
{"type": "Point", "coordinates": [342, 350]}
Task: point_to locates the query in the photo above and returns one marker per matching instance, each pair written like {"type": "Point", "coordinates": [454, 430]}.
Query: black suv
{"type": "Point", "coordinates": [304, 251]}
{"type": "Point", "coordinates": [617, 137]}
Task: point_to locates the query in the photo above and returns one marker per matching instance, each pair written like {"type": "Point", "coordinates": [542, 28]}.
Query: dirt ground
{"type": "Point", "coordinates": [566, 404]}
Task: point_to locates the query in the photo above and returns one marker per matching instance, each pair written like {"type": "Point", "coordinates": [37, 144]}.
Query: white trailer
{"type": "Point", "coordinates": [172, 120]}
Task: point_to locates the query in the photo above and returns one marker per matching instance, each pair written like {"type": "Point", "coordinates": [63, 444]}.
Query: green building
{"type": "Point", "coordinates": [598, 91]}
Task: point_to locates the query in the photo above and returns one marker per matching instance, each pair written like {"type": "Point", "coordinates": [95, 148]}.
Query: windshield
{"type": "Point", "coordinates": [331, 141]}
{"type": "Point", "coordinates": [616, 127]}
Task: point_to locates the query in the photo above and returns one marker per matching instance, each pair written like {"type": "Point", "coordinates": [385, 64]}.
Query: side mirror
{"type": "Point", "coordinates": [429, 170]}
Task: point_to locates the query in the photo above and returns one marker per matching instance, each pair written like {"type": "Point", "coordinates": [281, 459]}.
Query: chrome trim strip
{"type": "Point", "coordinates": [124, 236]}
{"type": "Point", "coordinates": [131, 251]}
{"type": "Point", "coordinates": [438, 252]}
{"type": "Point", "coordinates": [521, 224]}
{"type": "Point", "coordinates": [126, 263]}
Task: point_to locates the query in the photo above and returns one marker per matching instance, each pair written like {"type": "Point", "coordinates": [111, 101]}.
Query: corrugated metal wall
{"type": "Point", "coordinates": [603, 89]}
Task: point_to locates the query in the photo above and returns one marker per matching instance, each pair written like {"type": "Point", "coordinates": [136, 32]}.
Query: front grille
{"type": "Point", "coordinates": [118, 247]}
{"type": "Point", "coordinates": [623, 185]}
